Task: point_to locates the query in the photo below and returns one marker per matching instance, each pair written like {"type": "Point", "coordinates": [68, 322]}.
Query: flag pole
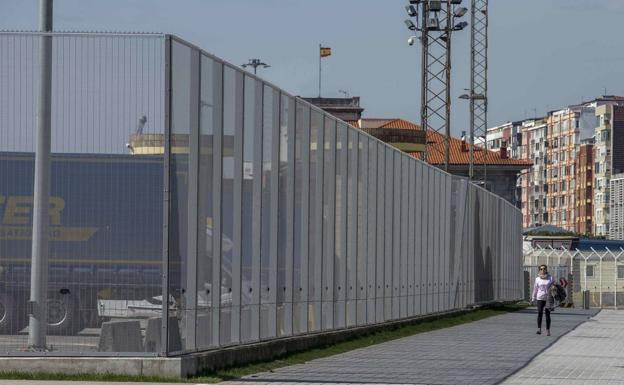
{"type": "Point", "coordinates": [320, 57]}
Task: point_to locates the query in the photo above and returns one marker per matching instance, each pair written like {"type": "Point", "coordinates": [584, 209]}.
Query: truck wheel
{"type": "Point", "coordinates": [10, 320]}
{"type": "Point", "coordinates": [63, 315]}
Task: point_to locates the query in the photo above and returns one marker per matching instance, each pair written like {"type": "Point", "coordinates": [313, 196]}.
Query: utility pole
{"type": "Point", "coordinates": [478, 89]}
{"type": "Point", "coordinates": [37, 326]}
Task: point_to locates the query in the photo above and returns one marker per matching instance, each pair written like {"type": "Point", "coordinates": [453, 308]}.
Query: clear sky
{"type": "Point", "coordinates": [544, 54]}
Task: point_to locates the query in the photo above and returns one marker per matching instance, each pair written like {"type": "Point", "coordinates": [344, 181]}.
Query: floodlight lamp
{"type": "Point", "coordinates": [435, 5]}
{"type": "Point", "coordinates": [464, 96]}
{"type": "Point", "coordinates": [434, 24]}
{"type": "Point", "coordinates": [410, 25]}
{"type": "Point", "coordinates": [412, 40]}
{"type": "Point", "coordinates": [411, 10]}
{"type": "Point", "coordinates": [459, 12]}
{"type": "Point", "coordinates": [456, 2]}
{"type": "Point", "coordinates": [460, 26]}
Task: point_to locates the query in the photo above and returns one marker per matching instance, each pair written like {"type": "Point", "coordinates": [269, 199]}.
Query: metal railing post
{"type": "Point", "coordinates": [600, 280]}
{"type": "Point", "coordinates": [166, 202]}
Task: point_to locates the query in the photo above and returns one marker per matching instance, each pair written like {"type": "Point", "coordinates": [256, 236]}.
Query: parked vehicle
{"type": "Point", "coordinates": [106, 216]}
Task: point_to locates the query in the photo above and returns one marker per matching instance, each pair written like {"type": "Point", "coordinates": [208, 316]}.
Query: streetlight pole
{"type": "Point", "coordinates": [41, 219]}
{"type": "Point", "coordinates": [255, 63]}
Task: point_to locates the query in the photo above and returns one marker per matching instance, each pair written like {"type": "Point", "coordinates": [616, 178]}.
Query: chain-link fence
{"type": "Point", "coordinates": [182, 185]}
{"type": "Point", "coordinates": [598, 273]}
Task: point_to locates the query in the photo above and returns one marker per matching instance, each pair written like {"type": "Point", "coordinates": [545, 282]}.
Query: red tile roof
{"type": "Point", "coordinates": [384, 123]}
{"type": "Point", "coordinates": [436, 146]}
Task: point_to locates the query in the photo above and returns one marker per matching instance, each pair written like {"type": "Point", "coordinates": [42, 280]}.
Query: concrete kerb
{"type": "Point", "coordinates": [193, 363]}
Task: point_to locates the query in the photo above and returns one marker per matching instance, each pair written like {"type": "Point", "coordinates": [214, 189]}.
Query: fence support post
{"type": "Point", "coordinates": [600, 281]}
{"type": "Point", "coordinates": [37, 324]}
{"type": "Point", "coordinates": [615, 276]}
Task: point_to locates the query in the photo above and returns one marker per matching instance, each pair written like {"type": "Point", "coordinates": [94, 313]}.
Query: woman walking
{"type": "Point", "coordinates": [541, 292]}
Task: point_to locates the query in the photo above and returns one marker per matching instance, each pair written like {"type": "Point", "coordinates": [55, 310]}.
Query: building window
{"type": "Point", "coordinates": [620, 271]}
{"type": "Point", "coordinates": [589, 270]}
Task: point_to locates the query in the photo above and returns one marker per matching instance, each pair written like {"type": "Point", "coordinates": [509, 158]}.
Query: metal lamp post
{"type": "Point", "coordinates": [37, 324]}
{"type": "Point", "coordinates": [255, 63]}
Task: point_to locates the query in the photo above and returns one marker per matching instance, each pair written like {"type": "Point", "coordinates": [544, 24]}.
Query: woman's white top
{"type": "Point", "coordinates": [541, 287]}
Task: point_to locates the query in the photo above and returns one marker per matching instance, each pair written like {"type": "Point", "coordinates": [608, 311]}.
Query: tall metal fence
{"type": "Point", "coordinates": [600, 273]}
{"type": "Point", "coordinates": [184, 186]}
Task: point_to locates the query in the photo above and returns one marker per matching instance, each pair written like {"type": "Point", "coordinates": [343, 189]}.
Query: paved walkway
{"type": "Point", "coordinates": [591, 354]}
{"type": "Point", "coordinates": [482, 352]}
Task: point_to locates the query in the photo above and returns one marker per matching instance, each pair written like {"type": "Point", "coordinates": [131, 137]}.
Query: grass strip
{"type": "Point", "coordinates": [287, 359]}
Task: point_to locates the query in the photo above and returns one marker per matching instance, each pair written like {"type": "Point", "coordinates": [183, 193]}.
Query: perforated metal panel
{"type": "Point", "coordinates": [257, 215]}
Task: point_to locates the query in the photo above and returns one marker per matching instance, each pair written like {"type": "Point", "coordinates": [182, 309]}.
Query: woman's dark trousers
{"type": "Point", "coordinates": [541, 307]}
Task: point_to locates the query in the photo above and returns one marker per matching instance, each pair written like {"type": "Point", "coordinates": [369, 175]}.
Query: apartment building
{"type": "Point", "coordinates": [506, 135]}
{"type": "Point", "coordinates": [574, 151]}
{"type": "Point", "coordinates": [563, 126]}
{"type": "Point", "coordinates": [602, 171]}
{"type": "Point", "coordinates": [552, 143]}
{"type": "Point", "coordinates": [616, 209]}
{"type": "Point", "coordinates": [532, 181]}
{"type": "Point", "coordinates": [608, 160]}
{"type": "Point", "coordinates": [584, 211]}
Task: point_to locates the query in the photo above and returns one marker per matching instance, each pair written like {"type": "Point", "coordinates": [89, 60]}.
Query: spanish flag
{"type": "Point", "coordinates": [325, 51]}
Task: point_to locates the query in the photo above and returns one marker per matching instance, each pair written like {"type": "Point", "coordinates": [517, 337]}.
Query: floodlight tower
{"type": "Point", "coordinates": [436, 24]}
{"type": "Point", "coordinates": [478, 90]}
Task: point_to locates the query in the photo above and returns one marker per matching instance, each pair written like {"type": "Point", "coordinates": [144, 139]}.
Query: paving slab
{"type": "Point", "coordinates": [481, 352]}
{"type": "Point", "coordinates": [593, 353]}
